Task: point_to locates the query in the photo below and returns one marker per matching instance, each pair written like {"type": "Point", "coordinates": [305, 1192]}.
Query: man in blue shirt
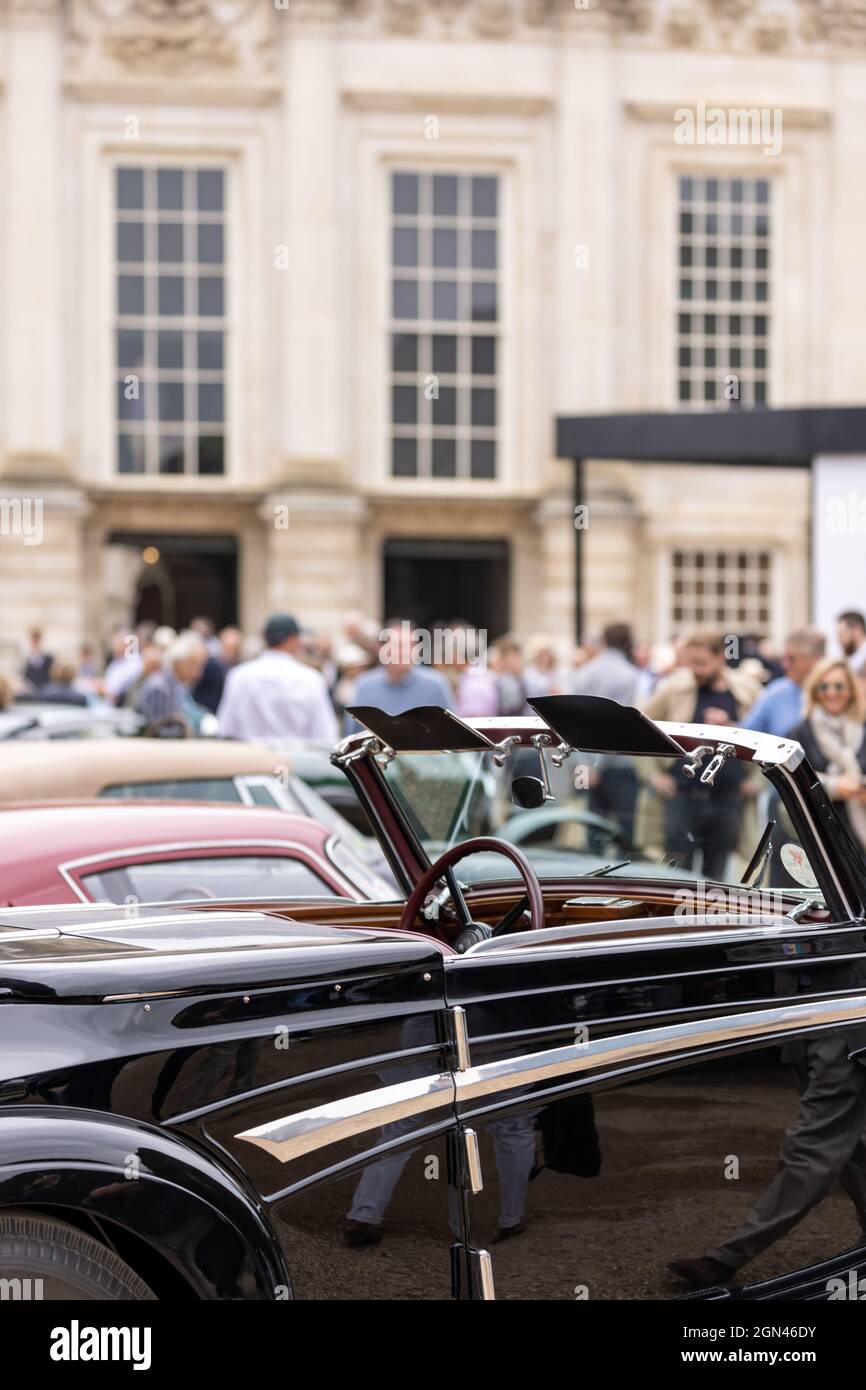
{"type": "Point", "coordinates": [398, 684]}
{"type": "Point", "coordinates": [781, 705]}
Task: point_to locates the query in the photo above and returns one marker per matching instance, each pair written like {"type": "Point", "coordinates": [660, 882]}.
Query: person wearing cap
{"type": "Point", "coordinates": [275, 695]}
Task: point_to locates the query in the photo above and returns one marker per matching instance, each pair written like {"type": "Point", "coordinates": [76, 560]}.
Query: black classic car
{"type": "Point", "coordinates": [558, 1088]}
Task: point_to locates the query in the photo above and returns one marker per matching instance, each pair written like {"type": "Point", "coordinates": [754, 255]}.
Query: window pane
{"type": "Point", "coordinates": [444, 195]}
{"type": "Point", "coordinates": [483, 459]}
{"type": "Point", "coordinates": [484, 250]}
{"type": "Point", "coordinates": [444, 246]}
{"type": "Point", "coordinates": [180, 789]}
{"type": "Point", "coordinates": [130, 241]}
{"type": "Point", "coordinates": [130, 453]}
{"type": "Point", "coordinates": [130, 294]}
{"type": "Point", "coordinates": [444, 458]}
{"type": "Point", "coordinates": [484, 197]}
{"type": "Point", "coordinates": [405, 247]}
{"type": "Point", "coordinates": [171, 459]}
{"type": "Point", "coordinates": [169, 189]}
{"type": "Point", "coordinates": [171, 400]}
{"type": "Point", "coordinates": [130, 188]}
{"type": "Point", "coordinates": [405, 299]}
{"type": "Point", "coordinates": [404, 458]}
{"type": "Point", "coordinates": [169, 349]}
{"type": "Point", "coordinates": [210, 351]}
{"type": "Point", "coordinates": [210, 295]}
{"type": "Point", "coordinates": [404, 352]}
{"type": "Point", "coordinates": [131, 398]}
{"type": "Point", "coordinates": [445, 408]}
{"type": "Point", "coordinates": [483, 299]}
{"type": "Point", "coordinates": [211, 247]}
{"type": "Point", "coordinates": [404, 405]}
{"type": "Point", "coordinates": [210, 190]}
{"type": "Point", "coordinates": [211, 453]}
{"type": "Point", "coordinates": [444, 353]}
{"type": "Point", "coordinates": [483, 356]}
{"type": "Point", "coordinates": [210, 403]}
{"type": "Point", "coordinates": [130, 347]}
{"type": "Point", "coordinates": [483, 406]}
{"type": "Point", "coordinates": [169, 242]}
{"type": "Point", "coordinates": [404, 194]}
{"type": "Point", "coordinates": [444, 299]}
{"type": "Point", "coordinates": [171, 299]}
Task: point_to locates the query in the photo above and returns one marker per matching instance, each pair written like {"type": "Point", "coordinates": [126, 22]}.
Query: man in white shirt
{"type": "Point", "coordinates": [276, 695]}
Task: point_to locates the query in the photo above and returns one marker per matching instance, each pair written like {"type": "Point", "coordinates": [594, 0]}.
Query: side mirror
{"type": "Point", "coordinates": [527, 792]}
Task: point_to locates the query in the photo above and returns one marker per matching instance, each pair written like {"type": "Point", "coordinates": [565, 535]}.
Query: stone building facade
{"type": "Point", "coordinates": [293, 290]}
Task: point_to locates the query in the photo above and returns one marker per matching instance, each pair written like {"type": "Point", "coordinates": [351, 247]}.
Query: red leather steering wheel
{"type": "Point", "coordinates": [462, 851]}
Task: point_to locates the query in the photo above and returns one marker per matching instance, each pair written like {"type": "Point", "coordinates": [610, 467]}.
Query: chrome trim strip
{"type": "Point", "coordinates": [628, 1048]}
{"type": "Point", "coordinates": [473, 1162]}
{"type": "Point", "coordinates": [485, 1272]}
{"type": "Point", "coordinates": [299, 1134]}
{"type": "Point", "coordinates": [621, 934]}
{"type": "Point", "coordinates": [461, 1038]}
{"type": "Point", "coordinates": [293, 1135]}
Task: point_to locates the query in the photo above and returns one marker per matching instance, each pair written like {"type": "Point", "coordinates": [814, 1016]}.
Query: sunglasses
{"type": "Point", "coordinates": [825, 686]}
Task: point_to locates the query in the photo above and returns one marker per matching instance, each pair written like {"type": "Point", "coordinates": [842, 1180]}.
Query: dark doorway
{"type": "Point", "coordinates": [182, 577]}
{"type": "Point", "coordinates": [427, 581]}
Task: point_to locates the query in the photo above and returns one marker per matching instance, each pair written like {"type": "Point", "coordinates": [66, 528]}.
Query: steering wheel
{"type": "Point", "coordinates": [472, 932]}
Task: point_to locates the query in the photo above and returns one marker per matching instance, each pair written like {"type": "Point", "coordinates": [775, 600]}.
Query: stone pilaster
{"type": "Point", "coordinates": [314, 554]}
{"type": "Point", "coordinates": [35, 248]}
{"type": "Point", "coordinates": [41, 567]}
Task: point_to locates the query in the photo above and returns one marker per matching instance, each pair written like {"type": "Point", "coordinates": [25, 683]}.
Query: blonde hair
{"type": "Point", "coordinates": [856, 707]}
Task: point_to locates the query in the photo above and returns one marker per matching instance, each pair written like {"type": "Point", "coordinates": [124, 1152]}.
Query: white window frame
{"type": "Point", "coordinates": [237, 146]}
{"type": "Point", "coordinates": [462, 328]}
{"type": "Point", "coordinates": [738, 625]}
{"type": "Point", "coordinates": [745, 308]}
{"type": "Point", "coordinates": [387, 141]}
{"type": "Point", "coordinates": [151, 321]}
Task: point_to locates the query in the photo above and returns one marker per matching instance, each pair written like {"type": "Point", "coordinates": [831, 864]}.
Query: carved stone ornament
{"type": "Point", "coordinates": [170, 34]}
{"type": "Point", "coordinates": [238, 37]}
{"type": "Point", "coordinates": [224, 39]}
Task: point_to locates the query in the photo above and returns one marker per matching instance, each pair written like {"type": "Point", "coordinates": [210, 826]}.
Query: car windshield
{"type": "Point", "coordinates": [451, 797]}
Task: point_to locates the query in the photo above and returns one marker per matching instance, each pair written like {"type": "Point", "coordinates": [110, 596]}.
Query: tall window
{"type": "Point", "coordinates": [445, 312]}
{"type": "Point", "coordinates": [727, 589]}
{"type": "Point", "coordinates": [724, 291]}
{"type": "Point", "coordinates": [171, 325]}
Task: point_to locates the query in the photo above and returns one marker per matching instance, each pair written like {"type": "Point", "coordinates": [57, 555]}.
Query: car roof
{"type": "Point", "coordinates": [83, 768]}
{"type": "Point", "coordinates": [52, 833]}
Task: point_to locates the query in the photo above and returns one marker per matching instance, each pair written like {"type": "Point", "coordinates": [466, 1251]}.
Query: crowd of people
{"type": "Point", "coordinates": [293, 682]}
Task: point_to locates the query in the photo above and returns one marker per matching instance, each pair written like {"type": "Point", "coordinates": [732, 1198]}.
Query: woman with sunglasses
{"type": "Point", "coordinates": [832, 735]}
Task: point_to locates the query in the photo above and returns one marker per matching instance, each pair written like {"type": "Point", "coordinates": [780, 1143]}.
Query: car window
{"type": "Point", "coordinates": [179, 789]}
{"type": "Point", "coordinates": [261, 794]}
{"type": "Point", "coordinates": [247, 876]}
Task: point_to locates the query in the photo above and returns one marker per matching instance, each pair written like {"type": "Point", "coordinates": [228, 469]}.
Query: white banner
{"type": "Point", "coordinates": [838, 538]}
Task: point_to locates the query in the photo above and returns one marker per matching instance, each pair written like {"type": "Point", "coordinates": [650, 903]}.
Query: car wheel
{"type": "Point", "coordinates": [53, 1262]}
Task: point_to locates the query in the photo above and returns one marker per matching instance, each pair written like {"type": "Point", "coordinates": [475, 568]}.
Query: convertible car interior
{"type": "Point", "coordinates": [527, 1075]}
